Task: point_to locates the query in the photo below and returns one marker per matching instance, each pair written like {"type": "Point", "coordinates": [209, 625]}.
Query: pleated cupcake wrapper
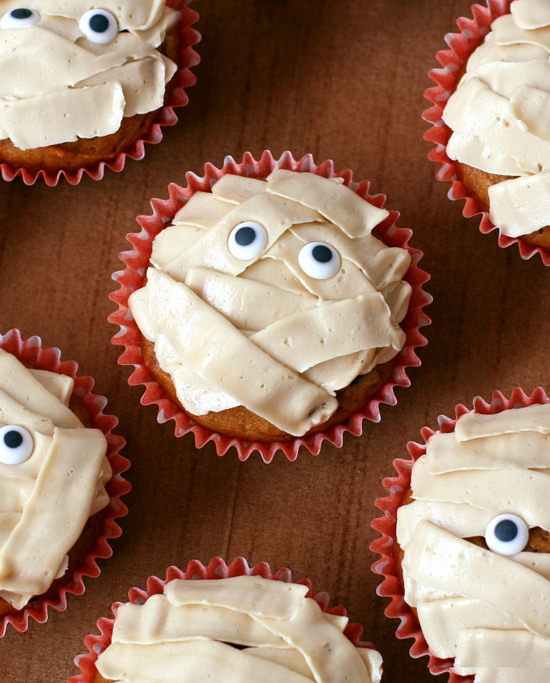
{"type": "Point", "coordinates": [386, 525]}
{"type": "Point", "coordinates": [31, 351]}
{"type": "Point", "coordinates": [461, 45]}
{"type": "Point", "coordinates": [137, 259]}
{"type": "Point", "coordinates": [216, 569]}
{"type": "Point", "coordinates": [166, 117]}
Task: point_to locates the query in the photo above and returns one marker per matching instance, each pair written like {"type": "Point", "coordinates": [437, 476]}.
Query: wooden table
{"type": "Point", "coordinates": [342, 79]}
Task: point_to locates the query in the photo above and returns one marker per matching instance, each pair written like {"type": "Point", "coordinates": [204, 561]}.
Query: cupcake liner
{"type": "Point", "coordinates": [461, 45]}
{"type": "Point", "coordinates": [137, 259]}
{"type": "Point", "coordinates": [183, 79]}
{"type": "Point", "coordinates": [386, 525]}
{"type": "Point", "coordinates": [216, 569]}
{"type": "Point", "coordinates": [31, 351]}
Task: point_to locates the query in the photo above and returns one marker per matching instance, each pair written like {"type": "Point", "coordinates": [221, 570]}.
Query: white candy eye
{"type": "Point", "coordinates": [16, 445]}
{"type": "Point", "coordinates": [247, 240]}
{"type": "Point", "coordinates": [507, 534]}
{"type": "Point", "coordinates": [319, 260]}
{"type": "Point", "coordinates": [20, 17]}
{"type": "Point", "coordinates": [99, 26]}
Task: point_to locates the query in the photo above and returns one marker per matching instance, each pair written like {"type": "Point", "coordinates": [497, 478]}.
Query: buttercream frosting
{"type": "Point", "coordinates": [189, 632]}
{"type": "Point", "coordinates": [499, 116]}
{"type": "Point", "coordinates": [309, 301]}
{"type": "Point", "coordinates": [488, 610]}
{"type": "Point", "coordinates": [46, 499]}
{"type": "Point", "coordinates": [59, 85]}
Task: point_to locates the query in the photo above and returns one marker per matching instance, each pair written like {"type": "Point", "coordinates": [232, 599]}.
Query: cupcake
{"type": "Point", "coordinates": [271, 307]}
{"type": "Point", "coordinates": [467, 542]}
{"type": "Point", "coordinates": [59, 481]}
{"type": "Point", "coordinates": [82, 85]}
{"type": "Point", "coordinates": [234, 624]}
{"type": "Point", "coordinates": [493, 96]}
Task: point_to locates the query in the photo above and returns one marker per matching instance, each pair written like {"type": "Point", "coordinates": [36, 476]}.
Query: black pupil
{"type": "Point", "coordinates": [321, 253]}
{"type": "Point", "coordinates": [245, 236]}
{"type": "Point", "coordinates": [13, 439]}
{"type": "Point", "coordinates": [99, 23]}
{"type": "Point", "coordinates": [21, 13]}
{"type": "Point", "coordinates": [506, 530]}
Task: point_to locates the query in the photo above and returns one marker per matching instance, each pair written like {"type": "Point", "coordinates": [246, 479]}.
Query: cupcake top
{"type": "Point", "coordinates": [53, 472]}
{"type": "Point", "coordinates": [499, 115]}
{"type": "Point", "coordinates": [272, 294]}
{"type": "Point", "coordinates": [476, 542]}
{"type": "Point", "coordinates": [242, 628]}
{"type": "Point", "coordinates": [72, 71]}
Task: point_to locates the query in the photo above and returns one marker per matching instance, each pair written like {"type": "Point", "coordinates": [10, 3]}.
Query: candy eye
{"type": "Point", "coordinates": [16, 445]}
{"type": "Point", "coordinates": [319, 260]}
{"type": "Point", "coordinates": [20, 17]}
{"type": "Point", "coordinates": [507, 534]}
{"type": "Point", "coordinates": [99, 26]}
{"type": "Point", "coordinates": [247, 240]}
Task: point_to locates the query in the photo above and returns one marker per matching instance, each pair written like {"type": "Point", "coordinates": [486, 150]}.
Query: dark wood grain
{"type": "Point", "coordinates": [343, 79]}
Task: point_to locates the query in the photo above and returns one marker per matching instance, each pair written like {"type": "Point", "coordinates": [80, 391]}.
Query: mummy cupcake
{"type": "Point", "coordinates": [472, 545]}
{"type": "Point", "coordinates": [499, 139]}
{"type": "Point", "coordinates": [271, 308]}
{"type": "Point", "coordinates": [56, 473]}
{"type": "Point", "coordinates": [81, 84]}
{"type": "Point", "coordinates": [243, 628]}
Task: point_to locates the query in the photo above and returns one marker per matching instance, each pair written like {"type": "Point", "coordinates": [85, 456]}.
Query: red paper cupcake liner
{"type": "Point", "coordinates": [137, 260]}
{"type": "Point", "coordinates": [31, 351]}
{"type": "Point", "coordinates": [166, 117]}
{"type": "Point", "coordinates": [216, 569]}
{"type": "Point", "coordinates": [386, 525]}
{"type": "Point", "coordinates": [461, 45]}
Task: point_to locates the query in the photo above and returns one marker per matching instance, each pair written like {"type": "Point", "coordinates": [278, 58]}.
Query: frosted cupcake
{"type": "Point", "coordinates": [81, 85]}
{"type": "Point", "coordinates": [498, 136]}
{"type": "Point", "coordinates": [472, 543]}
{"type": "Point", "coordinates": [241, 628]}
{"type": "Point", "coordinates": [271, 307]}
{"type": "Point", "coordinates": [56, 485]}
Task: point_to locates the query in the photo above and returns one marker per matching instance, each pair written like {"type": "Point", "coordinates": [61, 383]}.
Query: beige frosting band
{"type": "Point", "coordinates": [334, 201]}
{"type": "Point", "coordinates": [442, 621]}
{"type": "Point", "coordinates": [185, 635]}
{"type": "Point", "coordinates": [495, 648]}
{"type": "Point", "coordinates": [502, 675]}
{"type": "Point", "coordinates": [530, 15]}
{"type": "Point", "coordinates": [524, 203]}
{"type": "Point", "coordinates": [276, 326]}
